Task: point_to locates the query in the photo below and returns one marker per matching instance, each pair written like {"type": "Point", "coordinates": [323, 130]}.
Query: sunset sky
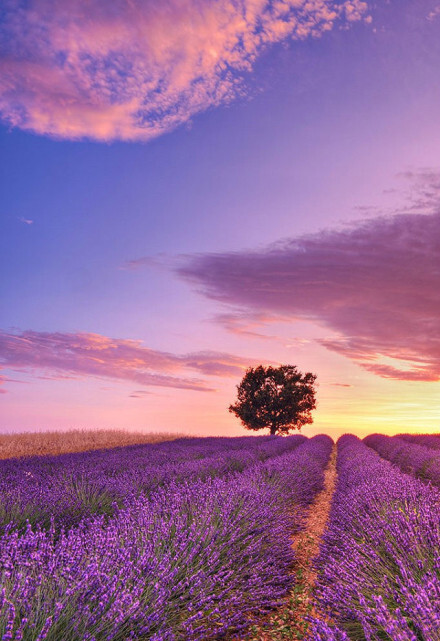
{"type": "Point", "coordinates": [193, 187]}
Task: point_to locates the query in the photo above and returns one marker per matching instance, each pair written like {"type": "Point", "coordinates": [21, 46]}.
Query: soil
{"type": "Point", "coordinates": [290, 621]}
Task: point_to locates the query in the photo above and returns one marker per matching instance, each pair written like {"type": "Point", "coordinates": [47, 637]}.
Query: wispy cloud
{"type": "Point", "coordinates": [244, 324]}
{"type": "Point", "coordinates": [144, 261]}
{"type": "Point", "coordinates": [340, 385]}
{"type": "Point", "coordinates": [3, 380]}
{"type": "Point", "coordinates": [139, 393]}
{"type": "Point", "coordinates": [132, 70]}
{"type": "Point", "coordinates": [435, 13]}
{"type": "Point", "coordinates": [26, 221]}
{"type": "Point", "coordinates": [63, 356]}
{"type": "Point", "coordinates": [375, 285]}
{"type": "Point", "coordinates": [423, 193]}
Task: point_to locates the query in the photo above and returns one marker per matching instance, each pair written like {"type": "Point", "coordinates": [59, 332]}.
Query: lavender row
{"type": "Point", "coordinates": [379, 566]}
{"type": "Point", "coordinates": [70, 487]}
{"type": "Point", "coordinates": [192, 561]}
{"type": "Point", "coordinates": [411, 458]}
{"type": "Point", "coordinates": [428, 440]}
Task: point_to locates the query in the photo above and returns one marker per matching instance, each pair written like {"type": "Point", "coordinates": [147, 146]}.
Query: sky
{"type": "Point", "coordinates": [194, 187]}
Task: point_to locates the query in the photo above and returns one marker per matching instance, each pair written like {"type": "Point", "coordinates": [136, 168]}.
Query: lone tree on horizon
{"type": "Point", "coordinates": [278, 398]}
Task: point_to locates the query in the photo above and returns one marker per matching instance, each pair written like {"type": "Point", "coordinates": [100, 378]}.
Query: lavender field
{"type": "Point", "coordinates": [379, 567]}
{"type": "Point", "coordinates": [185, 540]}
{"type": "Point", "coordinates": [192, 539]}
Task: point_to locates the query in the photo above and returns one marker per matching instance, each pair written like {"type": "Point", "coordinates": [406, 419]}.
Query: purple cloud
{"type": "Point", "coordinates": [376, 285]}
{"type": "Point", "coordinates": [74, 68]}
{"type": "Point", "coordinates": [423, 193]}
{"type": "Point", "coordinates": [63, 356]}
{"type": "Point", "coordinates": [144, 261]}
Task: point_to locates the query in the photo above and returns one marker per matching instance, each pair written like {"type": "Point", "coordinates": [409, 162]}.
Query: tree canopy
{"type": "Point", "coordinates": [278, 398]}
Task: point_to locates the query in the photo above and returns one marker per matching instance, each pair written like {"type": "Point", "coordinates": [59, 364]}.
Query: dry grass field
{"type": "Point", "coordinates": [53, 443]}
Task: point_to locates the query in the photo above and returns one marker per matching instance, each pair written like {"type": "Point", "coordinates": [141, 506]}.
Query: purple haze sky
{"type": "Point", "coordinates": [193, 187]}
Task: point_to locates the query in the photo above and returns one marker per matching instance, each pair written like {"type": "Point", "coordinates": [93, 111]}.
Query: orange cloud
{"type": "Point", "coordinates": [132, 70]}
{"type": "Point", "coordinates": [62, 355]}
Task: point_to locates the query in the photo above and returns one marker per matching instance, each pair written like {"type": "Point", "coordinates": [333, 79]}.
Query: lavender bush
{"type": "Point", "coordinates": [412, 458]}
{"type": "Point", "coordinates": [193, 559]}
{"type": "Point", "coordinates": [428, 440]}
{"type": "Point", "coordinates": [69, 487]}
{"type": "Point", "coordinates": [379, 567]}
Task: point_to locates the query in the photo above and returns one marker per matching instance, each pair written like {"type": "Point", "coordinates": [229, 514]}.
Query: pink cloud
{"type": "Point", "coordinates": [435, 13]}
{"type": "Point", "coordinates": [133, 70]}
{"type": "Point", "coordinates": [3, 380]}
{"type": "Point", "coordinates": [64, 356]}
{"type": "Point", "coordinates": [244, 324]}
{"type": "Point", "coordinates": [375, 285]}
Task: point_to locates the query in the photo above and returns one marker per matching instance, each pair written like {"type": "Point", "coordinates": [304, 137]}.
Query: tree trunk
{"type": "Point", "coordinates": [273, 430]}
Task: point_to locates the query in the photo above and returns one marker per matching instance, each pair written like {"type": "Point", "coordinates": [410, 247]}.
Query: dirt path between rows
{"type": "Point", "coordinates": [289, 621]}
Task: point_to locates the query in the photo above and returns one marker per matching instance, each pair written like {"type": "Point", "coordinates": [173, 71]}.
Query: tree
{"type": "Point", "coordinates": [278, 398]}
